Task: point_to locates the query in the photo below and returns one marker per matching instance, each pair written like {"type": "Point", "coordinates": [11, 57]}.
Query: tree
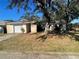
{"type": "Point", "coordinates": [52, 9]}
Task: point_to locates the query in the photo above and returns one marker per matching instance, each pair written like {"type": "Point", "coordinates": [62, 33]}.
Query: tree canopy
{"type": "Point", "coordinates": [52, 9]}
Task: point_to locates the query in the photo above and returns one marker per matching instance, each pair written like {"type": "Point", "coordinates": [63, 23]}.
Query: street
{"type": "Point", "coordinates": [16, 55]}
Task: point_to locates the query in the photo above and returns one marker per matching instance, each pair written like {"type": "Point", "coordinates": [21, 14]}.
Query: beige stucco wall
{"type": "Point", "coordinates": [10, 29]}
{"type": "Point", "coordinates": [76, 28]}
{"type": "Point", "coordinates": [24, 27]}
{"type": "Point", "coordinates": [18, 30]}
{"type": "Point", "coordinates": [27, 28]}
{"type": "Point", "coordinates": [33, 28]}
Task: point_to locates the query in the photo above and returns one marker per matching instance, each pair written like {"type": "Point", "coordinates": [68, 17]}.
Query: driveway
{"type": "Point", "coordinates": [12, 55]}
{"type": "Point", "coordinates": [6, 36]}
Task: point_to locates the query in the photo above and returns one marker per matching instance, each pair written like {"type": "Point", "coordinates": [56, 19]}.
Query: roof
{"type": "Point", "coordinates": [3, 22]}
{"type": "Point", "coordinates": [20, 22]}
{"type": "Point", "coordinates": [24, 20]}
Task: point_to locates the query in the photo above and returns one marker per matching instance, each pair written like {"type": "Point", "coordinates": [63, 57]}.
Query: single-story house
{"type": "Point", "coordinates": [18, 27]}
{"type": "Point", "coordinates": [21, 27]}
{"type": "Point", "coordinates": [76, 27]}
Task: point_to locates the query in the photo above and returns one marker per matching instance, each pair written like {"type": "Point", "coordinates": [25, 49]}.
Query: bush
{"type": "Point", "coordinates": [22, 29]}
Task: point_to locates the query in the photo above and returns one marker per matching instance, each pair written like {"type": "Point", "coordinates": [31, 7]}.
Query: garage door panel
{"type": "Point", "coordinates": [18, 29]}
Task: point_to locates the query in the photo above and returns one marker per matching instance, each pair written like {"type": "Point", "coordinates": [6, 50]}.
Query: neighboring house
{"type": "Point", "coordinates": [21, 27]}
{"type": "Point", "coordinates": [76, 27]}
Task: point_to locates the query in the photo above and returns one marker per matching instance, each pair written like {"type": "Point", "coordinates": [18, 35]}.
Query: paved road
{"type": "Point", "coordinates": [5, 55]}
{"type": "Point", "coordinates": [6, 36]}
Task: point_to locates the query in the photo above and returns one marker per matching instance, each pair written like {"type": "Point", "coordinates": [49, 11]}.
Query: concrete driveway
{"type": "Point", "coordinates": [6, 36]}
{"type": "Point", "coordinates": [12, 55]}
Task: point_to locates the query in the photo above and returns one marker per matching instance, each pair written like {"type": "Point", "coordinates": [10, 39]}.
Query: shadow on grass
{"type": "Point", "coordinates": [42, 38]}
{"type": "Point", "coordinates": [75, 36]}
{"type": "Point", "coordinates": [45, 36]}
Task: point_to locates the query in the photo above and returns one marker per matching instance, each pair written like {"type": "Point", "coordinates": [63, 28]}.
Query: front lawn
{"type": "Point", "coordinates": [31, 42]}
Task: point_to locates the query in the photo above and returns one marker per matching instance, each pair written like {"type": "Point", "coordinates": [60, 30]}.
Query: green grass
{"type": "Point", "coordinates": [28, 42]}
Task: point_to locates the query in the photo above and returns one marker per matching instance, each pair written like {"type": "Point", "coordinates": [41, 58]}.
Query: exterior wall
{"type": "Point", "coordinates": [33, 28]}
{"type": "Point", "coordinates": [10, 29]}
{"type": "Point", "coordinates": [24, 27]}
{"type": "Point", "coordinates": [76, 28]}
{"type": "Point", "coordinates": [18, 28]}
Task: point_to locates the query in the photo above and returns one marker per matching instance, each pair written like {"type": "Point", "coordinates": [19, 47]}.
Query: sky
{"type": "Point", "coordinates": [9, 14]}
{"type": "Point", "coordinates": [75, 21]}
{"type": "Point", "coordinates": [13, 14]}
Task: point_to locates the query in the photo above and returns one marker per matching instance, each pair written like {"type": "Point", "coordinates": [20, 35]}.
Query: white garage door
{"type": "Point", "coordinates": [18, 28]}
